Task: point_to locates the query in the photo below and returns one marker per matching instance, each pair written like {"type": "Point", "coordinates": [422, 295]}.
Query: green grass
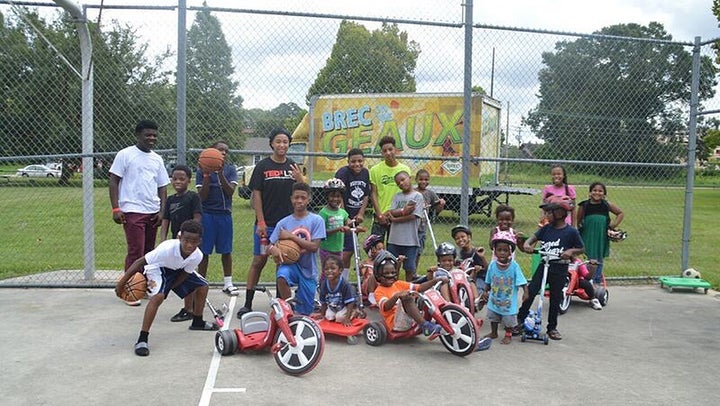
{"type": "Point", "coordinates": [44, 232]}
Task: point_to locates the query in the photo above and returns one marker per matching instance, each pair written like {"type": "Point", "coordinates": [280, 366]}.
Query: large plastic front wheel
{"type": "Point", "coordinates": [464, 337]}
{"type": "Point", "coordinates": [226, 342]}
{"type": "Point", "coordinates": [306, 354]}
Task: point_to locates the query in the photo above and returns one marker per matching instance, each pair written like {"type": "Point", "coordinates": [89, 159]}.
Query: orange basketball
{"type": "Point", "coordinates": [211, 160]}
{"type": "Point", "coordinates": [290, 251]}
{"type": "Point", "coordinates": [135, 288]}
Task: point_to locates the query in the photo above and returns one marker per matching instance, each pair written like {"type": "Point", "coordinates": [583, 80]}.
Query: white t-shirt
{"type": "Point", "coordinates": [141, 174]}
{"type": "Point", "coordinates": [167, 255]}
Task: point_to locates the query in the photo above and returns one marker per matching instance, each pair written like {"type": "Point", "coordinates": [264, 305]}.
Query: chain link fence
{"type": "Point", "coordinates": [611, 107]}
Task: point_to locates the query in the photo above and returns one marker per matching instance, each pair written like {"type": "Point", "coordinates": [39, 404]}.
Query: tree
{"type": "Point", "coordinates": [214, 111]}
{"type": "Point", "coordinates": [381, 61]}
{"type": "Point", "coordinates": [287, 115]}
{"type": "Point", "coordinates": [612, 100]}
{"type": "Point", "coordinates": [40, 96]}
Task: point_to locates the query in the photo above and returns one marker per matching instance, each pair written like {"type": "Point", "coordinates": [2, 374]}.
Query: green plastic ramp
{"type": "Point", "coordinates": [687, 283]}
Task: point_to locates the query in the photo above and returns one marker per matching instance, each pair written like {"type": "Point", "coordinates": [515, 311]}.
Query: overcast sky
{"type": "Point", "coordinates": [278, 58]}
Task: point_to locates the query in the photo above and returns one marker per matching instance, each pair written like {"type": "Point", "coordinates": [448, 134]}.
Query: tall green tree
{"type": "Point", "coordinates": [287, 115]}
{"type": "Point", "coordinates": [617, 100]}
{"type": "Point", "coordinates": [214, 111]}
{"type": "Point", "coordinates": [40, 96]}
{"type": "Point", "coordinates": [381, 61]}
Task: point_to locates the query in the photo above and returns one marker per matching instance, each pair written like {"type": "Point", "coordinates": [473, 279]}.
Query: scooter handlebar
{"type": "Point", "coordinates": [547, 255]}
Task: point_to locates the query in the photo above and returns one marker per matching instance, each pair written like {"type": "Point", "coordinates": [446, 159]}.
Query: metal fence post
{"type": "Point", "coordinates": [182, 84]}
{"type": "Point", "coordinates": [87, 136]}
{"type": "Point", "coordinates": [692, 142]}
{"type": "Point", "coordinates": [467, 114]}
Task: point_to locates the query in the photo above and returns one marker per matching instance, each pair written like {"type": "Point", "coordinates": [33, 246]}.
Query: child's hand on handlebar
{"type": "Point", "coordinates": [406, 293]}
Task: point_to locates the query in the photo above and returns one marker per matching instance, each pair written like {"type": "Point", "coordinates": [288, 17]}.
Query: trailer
{"type": "Point", "coordinates": [428, 132]}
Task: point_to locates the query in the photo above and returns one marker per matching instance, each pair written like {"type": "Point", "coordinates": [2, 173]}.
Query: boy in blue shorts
{"type": "Point", "coordinates": [171, 266]}
{"type": "Point", "coordinates": [307, 230]}
{"type": "Point", "coordinates": [216, 190]}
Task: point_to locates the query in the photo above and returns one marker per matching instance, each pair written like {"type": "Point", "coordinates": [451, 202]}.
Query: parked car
{"type": "Point", "coordinates": [38, 171]}
{"type": "Point", "coordinates": [54, 165]}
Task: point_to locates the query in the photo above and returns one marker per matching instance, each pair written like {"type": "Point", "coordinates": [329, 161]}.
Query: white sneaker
{"type": "Point", "coordinates": [231, 290]}
{"type": "Point", "coordinates": [596, 304]}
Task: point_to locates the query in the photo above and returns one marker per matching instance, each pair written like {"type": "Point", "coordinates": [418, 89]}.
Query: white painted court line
{"type": "Point", "coordinates": [209, 387]}
{"type": "Point", "coordinates": [228, 390]}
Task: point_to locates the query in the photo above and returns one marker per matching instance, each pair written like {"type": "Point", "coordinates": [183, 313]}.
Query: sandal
{"type": "Point", "coordinates": [554, 335]}
{"type": "Point", "coordinates": [182, 315]}
{"type": "Point", "coordinates": [207, 326]}
{"type": "Point", "coordinates": [141, 349]}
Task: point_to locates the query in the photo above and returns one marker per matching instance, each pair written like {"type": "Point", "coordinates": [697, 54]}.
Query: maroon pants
{"type": "Point", "coordinates": [140, 236]}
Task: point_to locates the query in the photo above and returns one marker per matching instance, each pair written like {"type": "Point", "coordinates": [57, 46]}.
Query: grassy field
{"type": "Point", "coordinates": [44, 232]}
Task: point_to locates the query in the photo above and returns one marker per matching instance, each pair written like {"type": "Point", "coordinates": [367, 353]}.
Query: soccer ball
{"type": "Point", "coordinates": [691, 273]}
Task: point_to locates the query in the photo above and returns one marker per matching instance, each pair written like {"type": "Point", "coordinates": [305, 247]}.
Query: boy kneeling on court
{"type": "Point", "coordinates": [307, 229]}
{"type": "Point", "coordinates": [172, 265]}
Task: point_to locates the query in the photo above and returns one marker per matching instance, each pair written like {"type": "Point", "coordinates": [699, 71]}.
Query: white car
{"type": "Point", "coordinates": [38, 171]}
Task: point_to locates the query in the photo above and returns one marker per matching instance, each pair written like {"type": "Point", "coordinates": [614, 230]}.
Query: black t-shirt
{"type": "Point", "coordinates": [356, 188]}
{"type": "Point", "coordinates": [274, 181]}
{"type": "Point", "coordinates": [181, 208]}
{"type": "Point", "coordinates": [557, 241]}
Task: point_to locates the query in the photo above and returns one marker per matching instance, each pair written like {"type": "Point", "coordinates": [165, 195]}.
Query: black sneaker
{"type": "Point", "coordinates": [242, 311]}
{"type": "Point", "coordinates": [182, 315]}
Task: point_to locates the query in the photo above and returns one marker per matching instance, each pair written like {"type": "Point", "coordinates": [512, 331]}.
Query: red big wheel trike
{"type": "Point", "coordinates": [572, 286]}
{"type": "Point", "coordinates": [460, 331]}
{"type": "Point", "coordinates": [296, 341]}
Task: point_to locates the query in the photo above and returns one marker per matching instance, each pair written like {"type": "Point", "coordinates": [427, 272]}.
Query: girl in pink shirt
{"type": "Point", "coordinates": [559, 187]}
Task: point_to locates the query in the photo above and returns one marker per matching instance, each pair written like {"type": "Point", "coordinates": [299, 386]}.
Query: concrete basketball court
{"type": "Point", "coordinates": [75, 346]}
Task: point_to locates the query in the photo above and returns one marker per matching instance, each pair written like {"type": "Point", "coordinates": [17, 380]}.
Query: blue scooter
{"type": "Point", "coordinates": [532, 325]}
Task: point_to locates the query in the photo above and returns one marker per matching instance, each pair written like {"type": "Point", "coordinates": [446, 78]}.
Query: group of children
{"type": "Point", "coordinates": [497, 283]}
{"type": "Point", "coordinates": [328, 236]}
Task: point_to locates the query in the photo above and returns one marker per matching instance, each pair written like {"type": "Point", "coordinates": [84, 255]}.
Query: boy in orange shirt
{"type": "Point", "coordinates": [396, 299]}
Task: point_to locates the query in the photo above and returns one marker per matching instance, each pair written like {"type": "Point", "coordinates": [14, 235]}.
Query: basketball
{"type": "Point", "coordinates": [135, 288]}
{"type": "Point", "coordinates": [211, 159]}
{"type": "Point", "coordinates": [691, 273]}
{"type": "Point", "coordinates": [290, 251]}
